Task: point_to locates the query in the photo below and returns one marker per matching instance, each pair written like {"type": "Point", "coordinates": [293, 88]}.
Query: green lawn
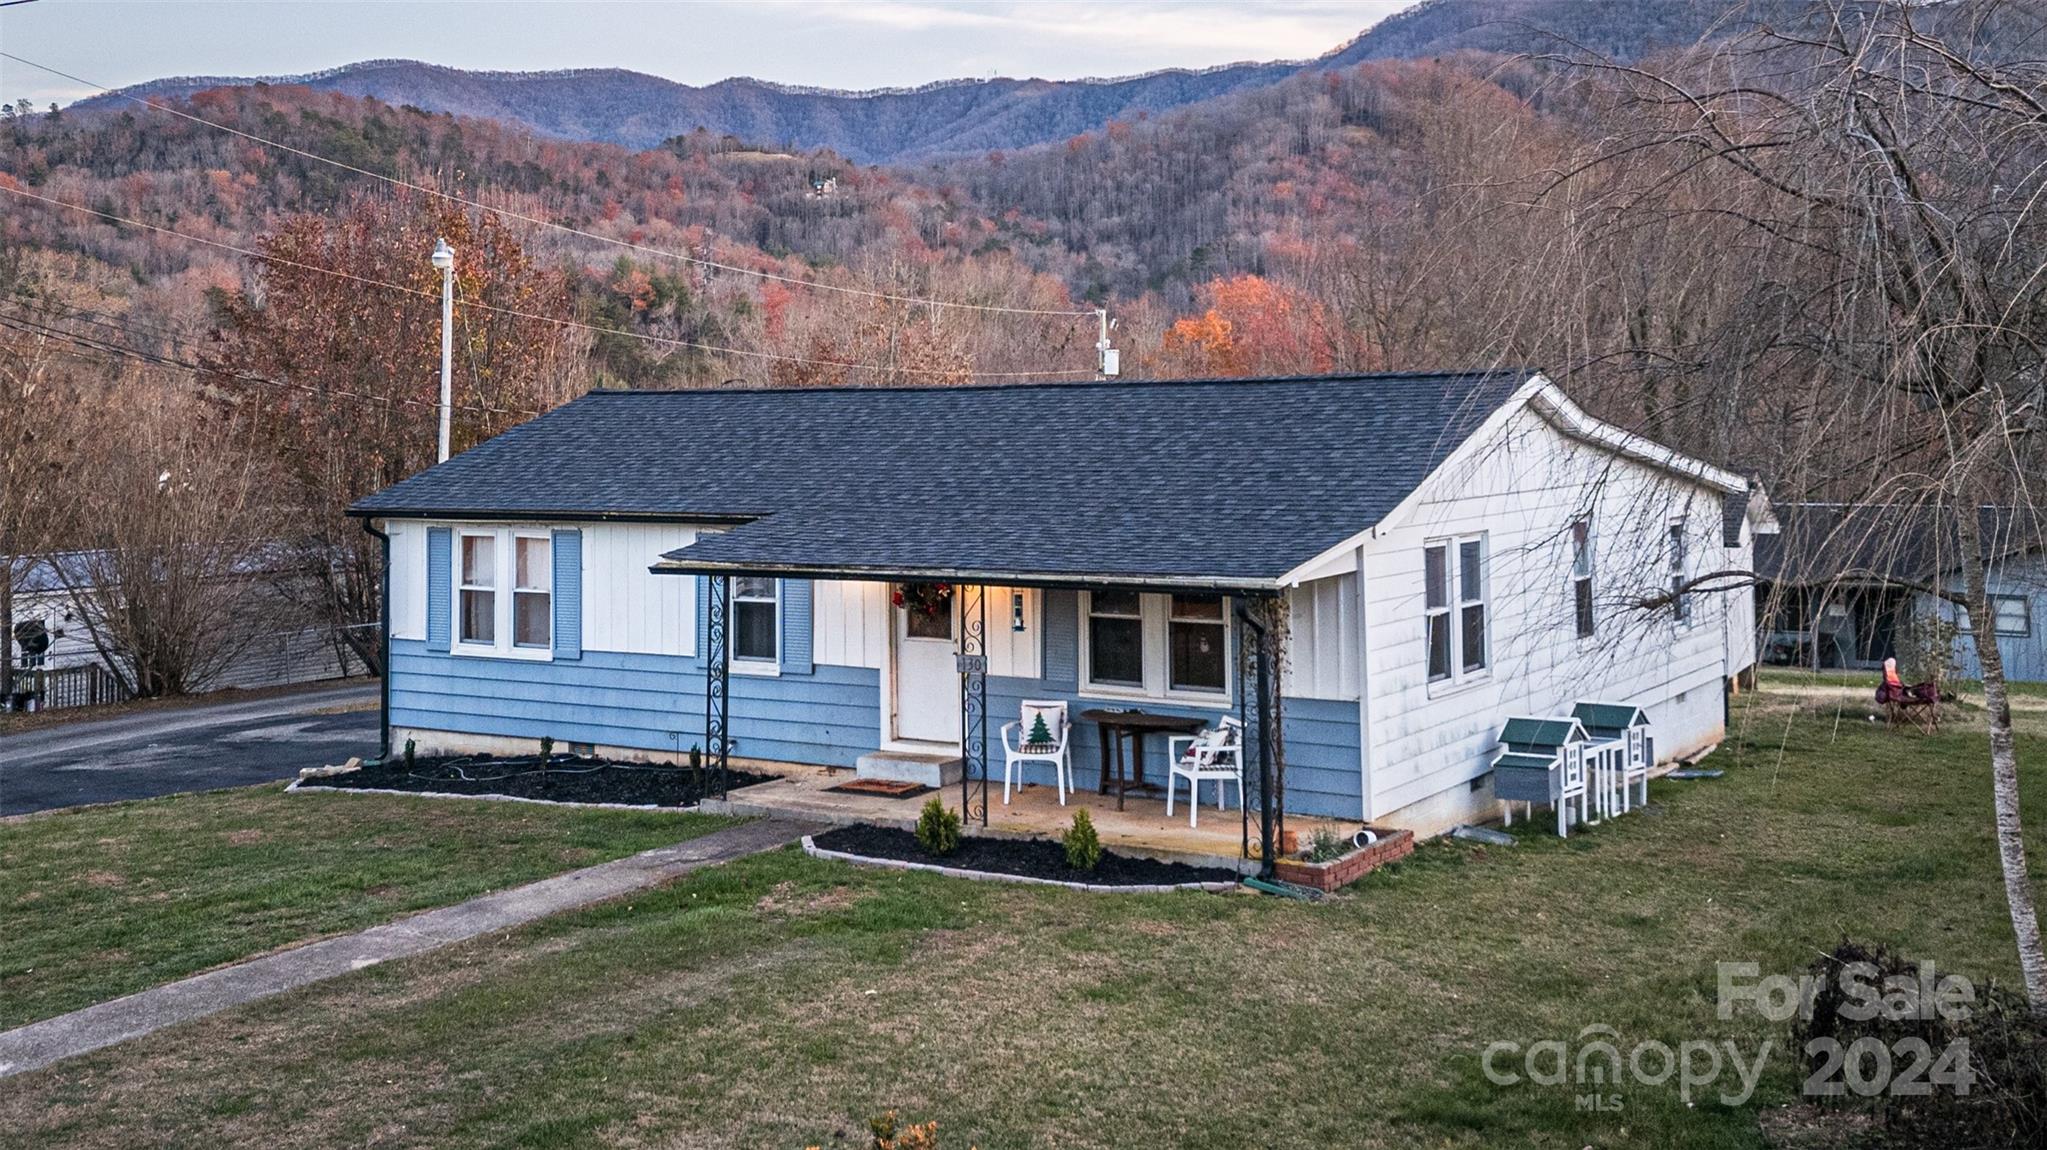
{"type": "Point", "coordinates": [1799, 677]}
{"type": "Point", "coordinates": [101, 901]}
{"type": "Point", "coordinates": [779, 1001]}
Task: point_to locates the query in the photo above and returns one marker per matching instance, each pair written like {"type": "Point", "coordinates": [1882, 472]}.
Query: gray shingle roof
{"type": "Point", "coordinates": [1225, 482]}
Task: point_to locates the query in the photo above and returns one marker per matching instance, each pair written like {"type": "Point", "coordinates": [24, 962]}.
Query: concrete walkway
{"type": "Point", "coordinates": [40, 1043]}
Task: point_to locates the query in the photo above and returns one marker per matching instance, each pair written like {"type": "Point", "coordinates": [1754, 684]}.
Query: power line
{"type": "Point", "coordinates": [534, 316]}
{"type": "Point", "coordinates": [795, 281]}
{"type": "Point", "coordinates": [95, 343]}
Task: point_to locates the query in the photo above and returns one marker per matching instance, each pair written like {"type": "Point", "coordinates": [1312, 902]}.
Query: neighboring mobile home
{"type": "Point", "coordinates": [1455, 548]}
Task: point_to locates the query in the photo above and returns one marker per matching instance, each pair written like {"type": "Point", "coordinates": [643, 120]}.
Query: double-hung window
{"type": "Point", "coordinates": [1455, 608]}
{"type": "Point", "coordinates": [1159, 646]}
{"type": "Point", "coordinates": [1581, 577]}
{"type": "Point", "coordinates": [504, 592]}
{"type": "Point", "coordinates": [532, 591]}
{"type": "Point", "coordinates": [1681, 602]}
{"type": "Point", "coordinates": [755, 609]}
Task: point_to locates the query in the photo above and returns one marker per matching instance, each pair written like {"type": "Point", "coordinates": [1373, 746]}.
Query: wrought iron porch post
{"type": "Point", "coordinates": [717, 662]}
{"type": "Point", "coordinates": [973, 668]}
{"type": "Point", "coordinates": [1262, 704]}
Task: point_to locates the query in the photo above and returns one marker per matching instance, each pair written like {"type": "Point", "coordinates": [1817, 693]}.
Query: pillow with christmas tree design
{"type": "Point", "coordinates": [1038, 736]}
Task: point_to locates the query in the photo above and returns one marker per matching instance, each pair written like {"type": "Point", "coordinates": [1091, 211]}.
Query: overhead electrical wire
{"type": "Point", "coordinates": [107, 347]}
{"type": "Point", "coordinates": [536, 317]}
{"type": "Point", "coordinates": [736, 269]}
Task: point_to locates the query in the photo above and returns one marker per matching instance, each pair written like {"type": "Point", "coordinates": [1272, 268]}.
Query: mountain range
{"type": "Point", "coordinates": [969, 117]}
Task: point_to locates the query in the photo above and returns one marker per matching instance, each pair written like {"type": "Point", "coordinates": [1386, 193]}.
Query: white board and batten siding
{"type": "Point", "coordinates": [854, 619]}
{"type": "Point", "coordinates": [1519, 492]}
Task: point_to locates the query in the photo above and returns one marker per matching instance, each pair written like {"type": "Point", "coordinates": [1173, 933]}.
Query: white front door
{"type": "Point", "coordinates": [927, 673]}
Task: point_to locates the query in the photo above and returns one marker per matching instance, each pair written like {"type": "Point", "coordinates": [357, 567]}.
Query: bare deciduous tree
{"type": "Point", "coordinates": [1879, 179]}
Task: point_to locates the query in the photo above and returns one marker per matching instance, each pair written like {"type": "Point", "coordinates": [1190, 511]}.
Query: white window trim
{"type": "Point", "coordinates": [1154, 617]}
{"type": "Point", "coordinates": [1684, 612]}
{"type": "Point", "coordinates": [504, 558]}
{"type": "Point", "coordinates": [1590, 578]}
{"type": "Point", "coordinates": [751, 665]}
{"type": "Point", "coordinates": [1963, 621]}
{"type": "Point", "coordinates": [1459, 679]}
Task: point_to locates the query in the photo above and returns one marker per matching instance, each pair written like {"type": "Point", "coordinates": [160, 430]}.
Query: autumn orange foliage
{"type": "Point", "coordinates": [1251, 326]}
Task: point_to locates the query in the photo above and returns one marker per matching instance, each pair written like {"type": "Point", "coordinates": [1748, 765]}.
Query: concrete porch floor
{"type": "Point", "coordinates": [1142, 828]}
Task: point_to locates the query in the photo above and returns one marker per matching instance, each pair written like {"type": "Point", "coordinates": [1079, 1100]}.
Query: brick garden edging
{"type": "Point", "coordinates": [1393, 845]}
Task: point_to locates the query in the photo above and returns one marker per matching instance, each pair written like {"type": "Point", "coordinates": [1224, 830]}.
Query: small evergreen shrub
{"type": "Point", "coordinates": [938, 829]}
{"type": "Point", "coordinates": [546, 747]}
{"type": "Point", "coordinates": [1083, 846]}
{"type": "Point", "coordinates": [410, 747]}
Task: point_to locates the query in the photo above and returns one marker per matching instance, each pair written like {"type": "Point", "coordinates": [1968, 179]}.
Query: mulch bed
{"type": "Point", "coordinates": [568, 779]}
{"type": "Point", "coordinates": [1030, 858]}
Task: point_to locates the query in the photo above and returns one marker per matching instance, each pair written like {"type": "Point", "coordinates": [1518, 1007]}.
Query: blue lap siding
{"type": "Point", "coordinates": [828, 716]}
{"type": "Point", "coordinates": [652, 702]}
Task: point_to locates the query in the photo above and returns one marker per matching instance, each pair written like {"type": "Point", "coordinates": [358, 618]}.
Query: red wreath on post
{"type": "Point", "coordinates": [925, 598]}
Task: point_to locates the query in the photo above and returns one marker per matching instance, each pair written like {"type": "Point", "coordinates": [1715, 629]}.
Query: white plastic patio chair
{"type": "Point", "coordinates": [1017, 747]}
{"type": "Point", "coordinates": [1217, 753]}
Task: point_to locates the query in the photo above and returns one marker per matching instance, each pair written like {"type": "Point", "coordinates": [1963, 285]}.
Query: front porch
{"type": "Point", "coordinates": [1141, 828]}
{"type": "Point", "coordinates": [944, 706]}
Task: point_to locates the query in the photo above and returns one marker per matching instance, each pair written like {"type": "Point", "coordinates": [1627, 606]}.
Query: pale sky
{"type": "Point", "coordinates": [828, 43]}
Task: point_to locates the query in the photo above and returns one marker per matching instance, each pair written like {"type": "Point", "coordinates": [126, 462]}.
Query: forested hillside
{"type": "Point", "coordinates": [965, 117]}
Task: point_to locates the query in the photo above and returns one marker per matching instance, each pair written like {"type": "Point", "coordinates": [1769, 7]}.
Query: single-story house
{"type": "Point", "coordinates": [1839, 586]}
{"type": "Point", "coordinates": [848, 576]}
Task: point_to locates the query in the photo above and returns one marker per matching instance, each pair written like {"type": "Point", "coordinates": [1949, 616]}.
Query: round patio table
{"type": "Point", "coordinates": [1116, 724]}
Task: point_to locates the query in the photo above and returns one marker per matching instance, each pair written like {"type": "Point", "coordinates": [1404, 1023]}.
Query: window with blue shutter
{"type": "Point", "coordinates": [439, 588]}
{"type": "Point", "coordinates": [568, 593]}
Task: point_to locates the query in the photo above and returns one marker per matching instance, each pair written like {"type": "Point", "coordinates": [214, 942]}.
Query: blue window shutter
{"type": "Point", "coordinates": [568, 593]}
{"type": "Point", "coordinates": [704, 621]}
{"type": "Point", "coordinates": [440, 587]}
{"type": "Point", "coordinates": [795, 616]}
{"type": "Point", "coordinates": [1061, 629]}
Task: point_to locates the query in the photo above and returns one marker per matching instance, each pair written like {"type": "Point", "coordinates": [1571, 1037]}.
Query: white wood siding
{"type": "Point", "coordinates": [850, 622]}
{"type": "Point", "coordinates": [626, 607]}
{"type": "Point", "coordinates": [1322, 661]}
{"type": "Point", "coordinates": [1521, 489]}
{"type": "Point", "coordinates": [408, 579]}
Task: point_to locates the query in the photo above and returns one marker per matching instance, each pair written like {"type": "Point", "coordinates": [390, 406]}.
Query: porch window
{"type": "Point", "coordinates": [1115, 630]}
{"type": "Point", "coordinates": [1157, 646]}
{"type": "Point", "coordinates": [1681, 603]}
{"type": "Point", "coordinates": [1197, 638]}
{"type": "Point", "coordinates": [754, 607]}
{"type": "Point", "coordinates": [1436, 609]}
{"type": "Point", "coordinates": [478, 589]}
{"type": "Point", "coordinates": [532, 592]}
{"type": "Point", "coordinates": [1581, 576]}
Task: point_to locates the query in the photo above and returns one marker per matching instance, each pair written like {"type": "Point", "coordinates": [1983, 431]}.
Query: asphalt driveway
{"type": "Point", "coordinates": [195, 748]}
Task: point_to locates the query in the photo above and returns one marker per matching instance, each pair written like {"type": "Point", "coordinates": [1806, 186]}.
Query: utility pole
{"type": "Point", "coordinates": [1106, 358]}
{"type": "Point", "coordinates": [444, 259]}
